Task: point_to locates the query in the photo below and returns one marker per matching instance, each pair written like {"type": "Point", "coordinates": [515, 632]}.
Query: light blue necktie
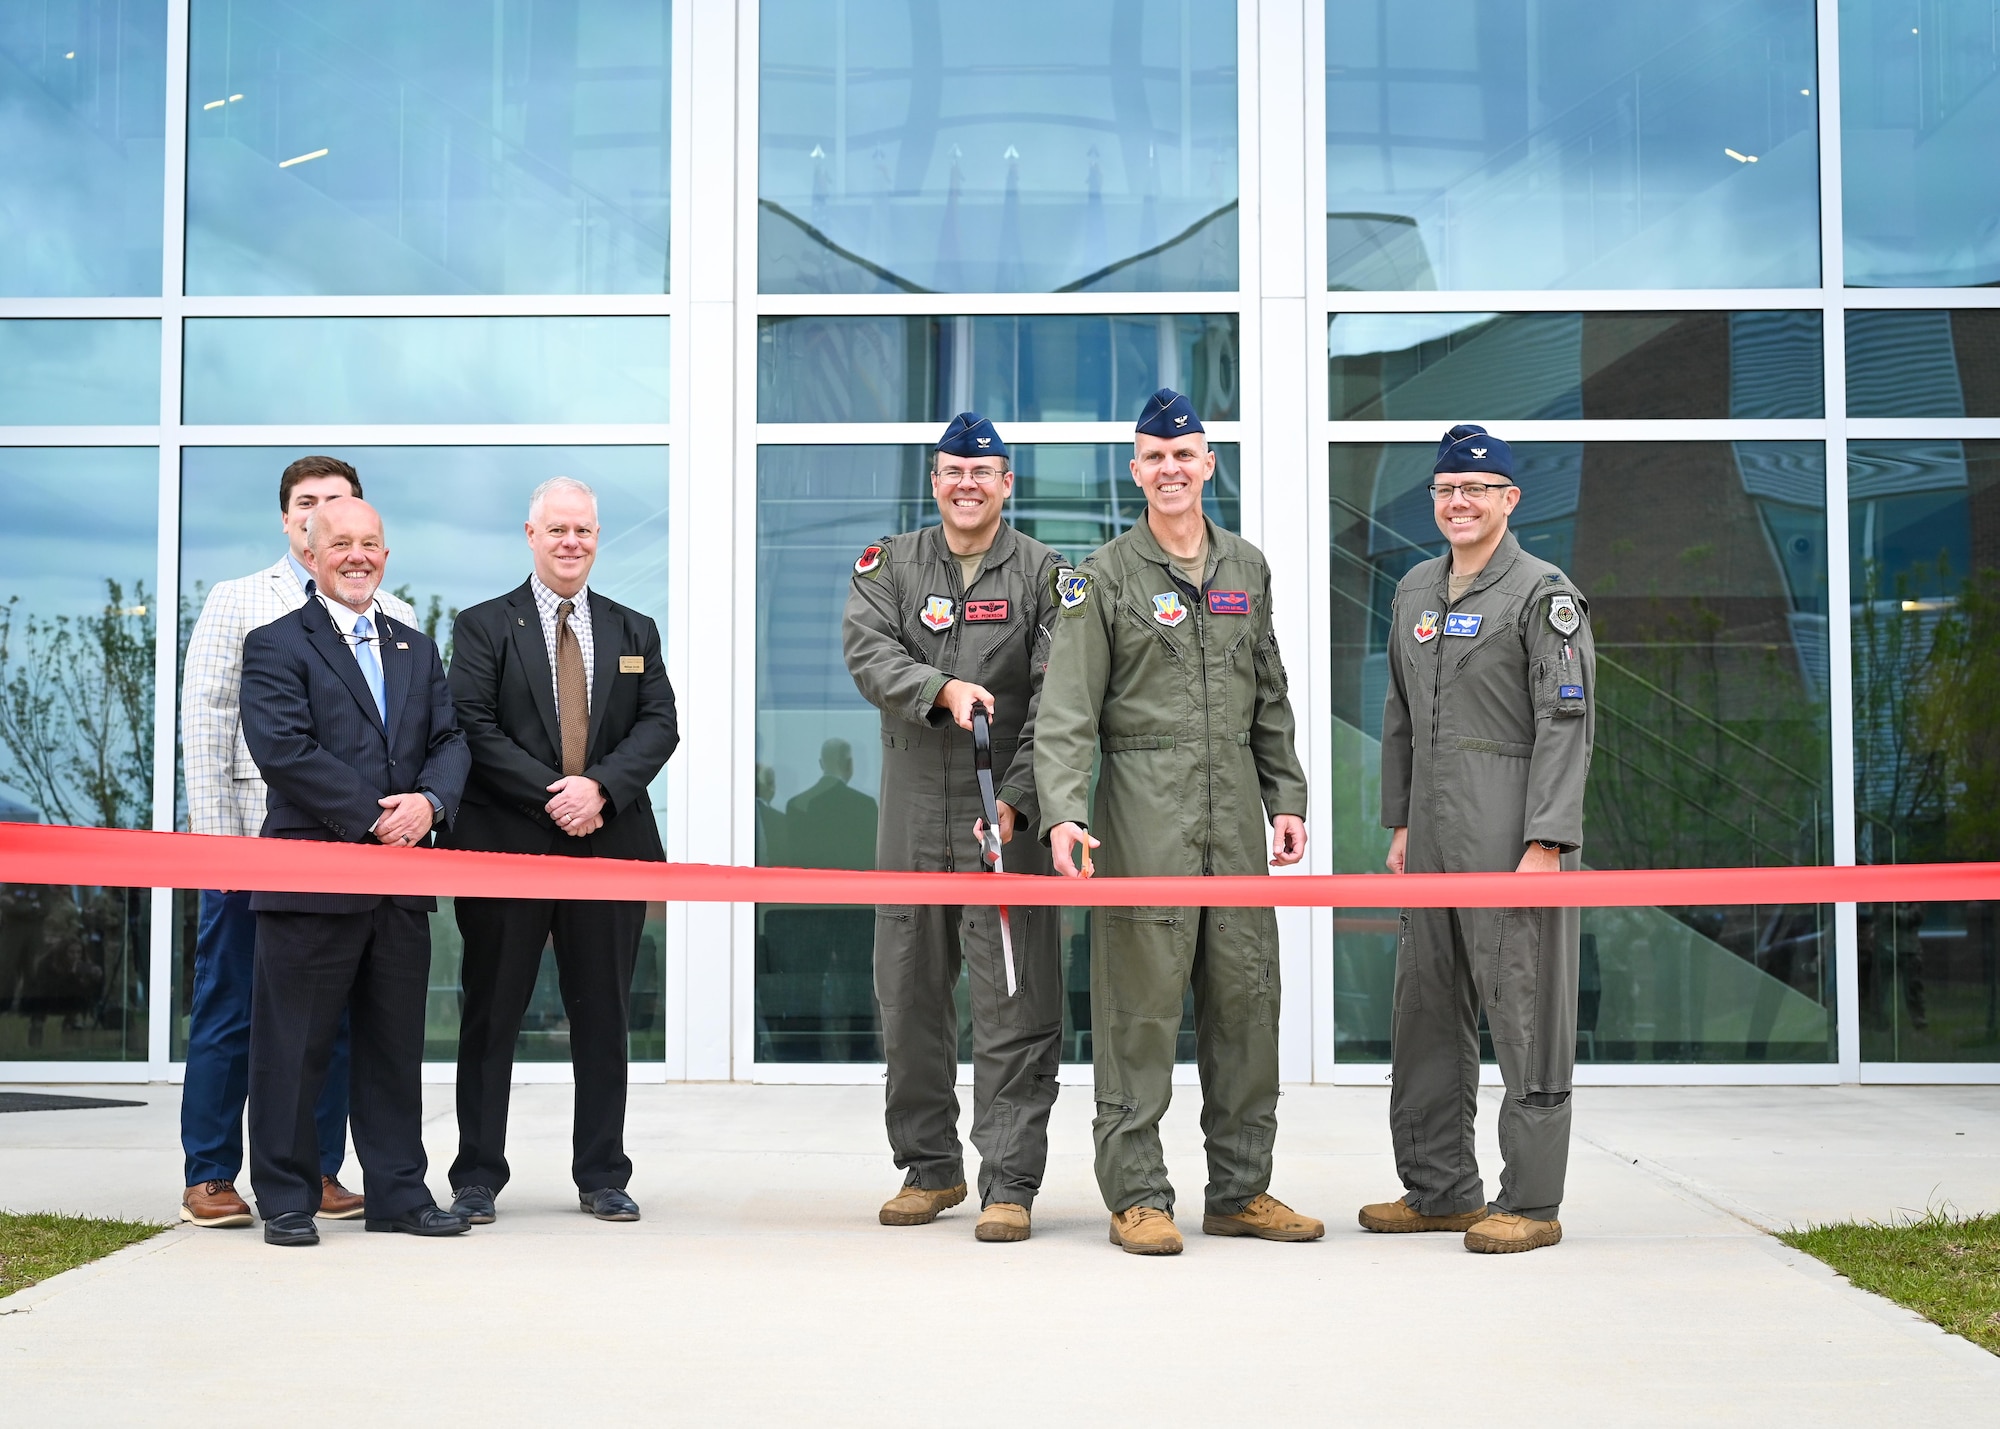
{"type": "Point", "coordinates": [371, 666]}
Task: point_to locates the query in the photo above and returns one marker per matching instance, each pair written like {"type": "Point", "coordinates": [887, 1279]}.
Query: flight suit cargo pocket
{"type": "Point", "coordinates": [898, 970]}
{"type": "Point", "coordinates": [1517, 974]}
{"type": "Point", "coordinates": [1140, 965]}
{"type": "Point", "coordinates": [1407, 992]}
{"type": "Point", "coordinates": [1272, 684]}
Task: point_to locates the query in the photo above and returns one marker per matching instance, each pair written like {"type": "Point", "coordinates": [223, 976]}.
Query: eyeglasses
{"type": "Point", "coordinates": [1474, 490]}
{"type": "Point", "coordinates": [984, 475]}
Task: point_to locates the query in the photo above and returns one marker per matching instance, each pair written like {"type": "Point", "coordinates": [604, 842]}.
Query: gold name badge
{"type": "Point", "coordinates": [631, 664]}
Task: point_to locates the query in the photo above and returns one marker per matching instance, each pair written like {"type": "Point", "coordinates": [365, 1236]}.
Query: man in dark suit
{"type": "Point", "coordinates": [569, 716]}
{"type": "Point", "coordinates": [349, 719]}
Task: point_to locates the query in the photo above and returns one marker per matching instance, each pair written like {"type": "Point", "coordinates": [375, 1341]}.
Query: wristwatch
{"type": "Point", "coordinates": [437, 805]}
{"type": "Point", "coordinates": [1552, 848]}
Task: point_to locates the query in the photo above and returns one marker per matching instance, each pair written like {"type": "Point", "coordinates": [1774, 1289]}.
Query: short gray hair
{"type": "Point", "coordinates": [559, 483]}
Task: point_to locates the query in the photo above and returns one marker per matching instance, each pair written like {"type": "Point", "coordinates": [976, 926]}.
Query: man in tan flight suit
{"type": "Point", "coordinates": [1485, 748]}
{"type": "Point", "coordinates": [1164, 657]}
{"type": "Point", "coordinates": [940, 620]}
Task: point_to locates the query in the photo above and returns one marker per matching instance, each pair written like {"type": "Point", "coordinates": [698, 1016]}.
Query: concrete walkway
{"type": "Point", "coordinates": [759, 1290]}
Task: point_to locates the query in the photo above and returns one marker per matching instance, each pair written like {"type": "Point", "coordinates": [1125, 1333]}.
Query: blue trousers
{"type": "Point", "coordinates": [218, 1055]}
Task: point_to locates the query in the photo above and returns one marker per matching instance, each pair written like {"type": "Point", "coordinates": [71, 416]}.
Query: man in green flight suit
{"type": "Point", "coordinates": [1164, 653]}
{"type": "Point", "coordinates": [940, 620]}
{"type": "Point", "coordinates": [1486, 736]}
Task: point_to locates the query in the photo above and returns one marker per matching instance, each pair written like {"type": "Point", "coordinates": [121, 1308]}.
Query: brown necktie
{"type": "Point", "coordinates": [571, 692]}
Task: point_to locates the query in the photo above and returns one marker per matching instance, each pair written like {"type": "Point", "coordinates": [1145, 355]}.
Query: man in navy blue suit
{"type": "Point", "coordinates": [349, 719]}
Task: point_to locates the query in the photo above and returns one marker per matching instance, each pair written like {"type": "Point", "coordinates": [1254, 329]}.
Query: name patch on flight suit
{"type": "Point", "coordinates": [631, 664]}
{"type": "Point", "coordinates": [1168, 610]}
{"type": "Point", "coordinates": [978, 610]}
{"type": "Point", "coordinates": [1229, 602]}
{"type": "Point", "coordinates": [936, 613]}
{"type": "Point", "coordinates": [1427, 627]}
{"type": "Point", "coordinates": [1462, 624]}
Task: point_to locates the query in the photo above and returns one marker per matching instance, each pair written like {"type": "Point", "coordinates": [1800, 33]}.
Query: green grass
{"type": "Point", "coordinates": [32, 1248]}
{"type": "Point", "coordinates": [1944, 1268]}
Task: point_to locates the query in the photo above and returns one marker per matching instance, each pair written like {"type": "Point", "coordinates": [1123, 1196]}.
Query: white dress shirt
{"type": "Point", "coordinates": [547, 603]}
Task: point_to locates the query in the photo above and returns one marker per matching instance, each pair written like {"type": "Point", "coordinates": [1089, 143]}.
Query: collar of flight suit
{"type": "Point", "coordinates": [1502, 561]}
{"type": "Point", "coordinates": [1150, 547]}
{"type": "Point", "coordinates": [995, 556]}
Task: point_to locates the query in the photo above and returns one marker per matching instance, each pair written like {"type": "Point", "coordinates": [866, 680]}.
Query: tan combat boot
{"type": "Point", "coordinates": [1396, 1217]}
{"type": "Point", "coordinates": [1503, 1234]}
{"type": "Point", "coordinates": [1145, 1230]}
{"type": "Point", "coordinates": [914, 1206]}
{"type": "Point", "coordinates": [1003, 1220]}
{"type": "Point", "coordinates": [1267, 1218]}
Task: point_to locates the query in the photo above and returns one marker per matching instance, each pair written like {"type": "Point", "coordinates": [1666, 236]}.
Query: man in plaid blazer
{"type": "Point", "coordinates": [226, 796]}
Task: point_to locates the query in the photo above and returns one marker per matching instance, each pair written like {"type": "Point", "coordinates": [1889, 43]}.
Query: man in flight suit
{"type": "Point", "coordinates": [1164, 656]}
{"type": "Point", "coordinates": [938, 620]}
{"type": "Point", "coordinates": [1485, 747]}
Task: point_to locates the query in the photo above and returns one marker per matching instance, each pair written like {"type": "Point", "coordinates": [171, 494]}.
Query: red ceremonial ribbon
{"type": "Point", "coordinates": [128, 858]}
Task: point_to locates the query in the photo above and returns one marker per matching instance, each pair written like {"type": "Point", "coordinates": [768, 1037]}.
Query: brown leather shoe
{"type": "Point", "coordinates": [1396, 1218]}
{"type": "Point", "coordinates": [1503, 1234]}
{"type": "Point", "coordinates": [914, 1206]}
{"type": "Point", "coordinates": [214, 1204]}
{"type": "Point", "coordinates": [337, 1203]}
{"type": "Point", "coordinates": [1003, 1220]}
{"type": "Point", "coordinates": [1145, 1230]}
{"type": "Point", "coordinates": [1266, 1218]}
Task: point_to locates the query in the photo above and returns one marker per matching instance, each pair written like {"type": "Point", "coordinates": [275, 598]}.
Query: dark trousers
{"type": "Point", "coordinates": [309, 966]}
{"type": "Point", "coordinates": [218, 1054]}
{"type": "Point", "coordinates": [597, 947]}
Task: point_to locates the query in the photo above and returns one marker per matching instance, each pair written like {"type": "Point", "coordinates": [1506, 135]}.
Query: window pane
{"type": "Point", "coordinates": [1517, 366]}
{"type": "Point", "coordinates": [457, 146]}
{"type": "Point", "coordinates": [78, 621]}
{"type": "Point", "coordinates": [817, 507]}
{"type": "Point", "coordinates": [453, 518]}
{"type": "Point", "coordinates": [1919, 125]}
{"type": "Point", "coordinates": [79, 372]}
{"type": "Point", "coordinates": [81, 115]}
{"type": "Point", "coordinates": [1925, 532]}
{"type": "Point", "coordinates": [1011, 369]}
{"type": "Point", "coordinates": [1651, 144]}
{"type": "Point", "coordinates": [1029, 148]}
{"type": "Point", "coordinates": [1713, 734]}
{"type": "Point", "coordinates": [1916, 363]}
{"type": "Point", "coordinates": [298, 370]}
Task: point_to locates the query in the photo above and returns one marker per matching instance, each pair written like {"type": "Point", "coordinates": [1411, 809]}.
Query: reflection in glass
{"type": "Point", "coordinates": [1555, 144]}
{"type": "Point", "coordinates": [453, 519]}
{"type": "Point", "coordinates": [397, 370]}
{"type": "Point", "coordinates": [82, 105]}
{"type": "Point", "coordinates": [1925, 531]}
{"type": "Point", "coordinates": [1012, 369]}
{"type": "Point", "coordinates": [79, 372]}
{"type": "Point", "coordinates": [1713, 735]}
{"type": "Point", "coordinates": [1553, 366]}
{"type": "Point", "coordinates": [77, 640]}
{"type": "Point", "coordinates": [819, 742]}
{"type": "Point", "coordinates": [457, 146]}
{"type": "Point", "coordinates": [1029, 148]}
{"type": "Point", "coordinates": [1913, 362]}
{"type": "Point", "coordinates": [1919, 125]}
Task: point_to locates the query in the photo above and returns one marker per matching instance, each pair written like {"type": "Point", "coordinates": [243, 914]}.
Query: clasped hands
{"type": "Point", "coordinates": [576, 804]}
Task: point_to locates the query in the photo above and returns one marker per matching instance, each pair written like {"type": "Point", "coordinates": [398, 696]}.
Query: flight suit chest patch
{"type": "Point", "coordinates": [1229, 602]}
{"type": "Point", "coordinates": [1169, 609]}
{"type": "Point", "coordinates": [937, 613]}
{"type": "Point", "coordinates": [1426, 627]}
{"type": "Point", "coordinates": [1457, 624]}
{"type": "Point", "coordinates": [978, 611]}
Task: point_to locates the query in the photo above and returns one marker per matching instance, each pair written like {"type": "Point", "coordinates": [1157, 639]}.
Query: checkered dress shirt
{"type": "Point", "coordinates": [546, 602]}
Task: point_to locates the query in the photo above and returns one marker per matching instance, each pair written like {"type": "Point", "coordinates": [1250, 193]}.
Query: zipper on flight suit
{"type": "Point", "coordinates": [1207, 732]}
{"type": "Point", "coordinates": [956, 581]}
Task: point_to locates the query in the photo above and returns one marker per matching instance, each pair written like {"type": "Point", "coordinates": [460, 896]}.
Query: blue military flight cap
{"type": "Point", "coordinates": [1168, 414]}
{"type": "Point", "coordinates": [971, 435]}
{"type": "Point", "coordinates": [1473, 449]}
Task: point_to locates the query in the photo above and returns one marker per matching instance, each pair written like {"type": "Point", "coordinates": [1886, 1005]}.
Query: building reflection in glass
{"type": "Point", "coordinates": [77, 640]}
{"type": "Point", "coordinates": [1925, 532]}
{"type": "Point", "coordinates": [1705, 567]}
{"type": "Point", "coordinates": [819, 742]}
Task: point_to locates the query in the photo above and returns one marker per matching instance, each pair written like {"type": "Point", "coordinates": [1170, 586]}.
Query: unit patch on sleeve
{"type": "Point", "coordinates": [1229, 602]}
{"type": "Point", "coordinates": [937, 613]}
{"type": "Point", "coordinates": [869, 561]}
{"type": "Point", "coordinates": [1562, 614]}
{"type": "Point", "coordinates": [1457, 624]}
{"type": "Point", "coordinates": [979, 610]}
{"type": "Point", "coordinates": [1072, 587]}
{"type": "Point", "coordinates": [1427, 627]}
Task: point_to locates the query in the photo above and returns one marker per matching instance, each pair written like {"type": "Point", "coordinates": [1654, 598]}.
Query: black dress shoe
{"type": "Point", "coordinates": [423, 1220]}
{"type": "Point", "coordinates": [475, 1203]}
{"type": "Point", "coordinates": [609, 1204]}
{"type": "Point", "coordinates": [291, 1228]}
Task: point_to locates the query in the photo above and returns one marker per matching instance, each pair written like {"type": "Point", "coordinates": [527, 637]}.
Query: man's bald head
{"type": "Point", "coordinates": [346, 551]}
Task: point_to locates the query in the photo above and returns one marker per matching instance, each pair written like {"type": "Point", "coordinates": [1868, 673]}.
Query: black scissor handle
{"type": "Point", "coordinates": [982, 739]}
